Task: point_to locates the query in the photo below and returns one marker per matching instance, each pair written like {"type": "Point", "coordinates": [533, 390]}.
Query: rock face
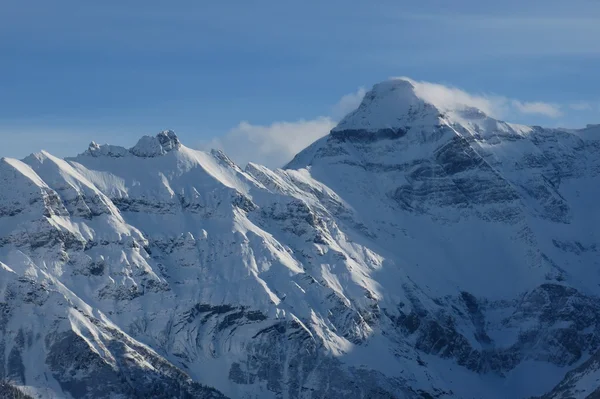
{"type": "Point", "coordinates": [417, 251]}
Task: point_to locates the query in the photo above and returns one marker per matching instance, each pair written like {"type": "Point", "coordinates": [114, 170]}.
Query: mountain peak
{"type": "Point", "coordinates": [390, 104]}
{"type": "Point", "coordinates": [401, 103]}
{"type": "Point", "coordinates": [164, 142]}
{"type": "Point", "coordinates": [146, 147]}
{"type": "Point", "coordinates": [402, 85]}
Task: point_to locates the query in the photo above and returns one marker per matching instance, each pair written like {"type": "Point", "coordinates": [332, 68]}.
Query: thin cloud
{"type": "Point", "coordinates": [271, 145]}
{"type": "Point", "coordinates": [276, 144]}
{"type": "Point", "coordinates": [448, 98]}
{"type": "Point", "coordinates": [348, 103]}
{"type": "Point", "coordinates": [538, 107]}
{"type": "Point", "coordinates": [581, 106]}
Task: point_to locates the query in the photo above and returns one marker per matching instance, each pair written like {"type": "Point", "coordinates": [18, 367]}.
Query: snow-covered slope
{"type": "Point", "coordinates": [417, 251]}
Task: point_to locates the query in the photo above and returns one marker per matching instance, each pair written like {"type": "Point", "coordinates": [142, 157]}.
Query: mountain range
{"type": "Point", "coordinates": [419, 250]}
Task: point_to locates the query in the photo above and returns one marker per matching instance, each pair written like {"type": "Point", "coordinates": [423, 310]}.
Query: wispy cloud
{"type": "Point", "coordinates": [582, 106]}
{"type": "Point", "coordinates": [271, 145]}
{"type": "Point", "coordinates": [451, 98]}
{"type": "Point", "coordinates": [513, 30]}
{"type": "Point", "coordinates": [538, 107]}
{"type": "Point", "coordinates": [276, 144]}
{"type": "Point", "coordinates": [348, 103]}
{"type": "Point", "coordinates": [448, 98]}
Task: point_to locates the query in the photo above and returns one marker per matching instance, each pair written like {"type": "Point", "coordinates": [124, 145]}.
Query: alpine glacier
{"type": "Point", "coordinates": [419, 250]}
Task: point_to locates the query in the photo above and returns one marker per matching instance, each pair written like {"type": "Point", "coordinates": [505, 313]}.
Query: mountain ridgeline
{"type": "Point", "coordinates": [416, 251]}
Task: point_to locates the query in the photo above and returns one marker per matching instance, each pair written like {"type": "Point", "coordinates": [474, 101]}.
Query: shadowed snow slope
{"type": "Point", "coordinates": [421, 249]}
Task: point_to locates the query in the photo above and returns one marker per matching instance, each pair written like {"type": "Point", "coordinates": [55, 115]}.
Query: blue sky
{"type": "Point", "coordinates": [274, 72]}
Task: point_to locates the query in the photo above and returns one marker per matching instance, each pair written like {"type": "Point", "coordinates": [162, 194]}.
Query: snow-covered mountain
{"type": "Point", "coordinates": [417, 251]}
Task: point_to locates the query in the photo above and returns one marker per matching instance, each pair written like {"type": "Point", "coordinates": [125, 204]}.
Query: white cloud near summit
{"type": "Point", "coordinates": [276, 144]}
{"type": "Point", "coordinates": [348, 103]}
{"type": "Point", "coordinates": [271, 145]}
{"type": "Point", "coordinates": [447, 98]}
